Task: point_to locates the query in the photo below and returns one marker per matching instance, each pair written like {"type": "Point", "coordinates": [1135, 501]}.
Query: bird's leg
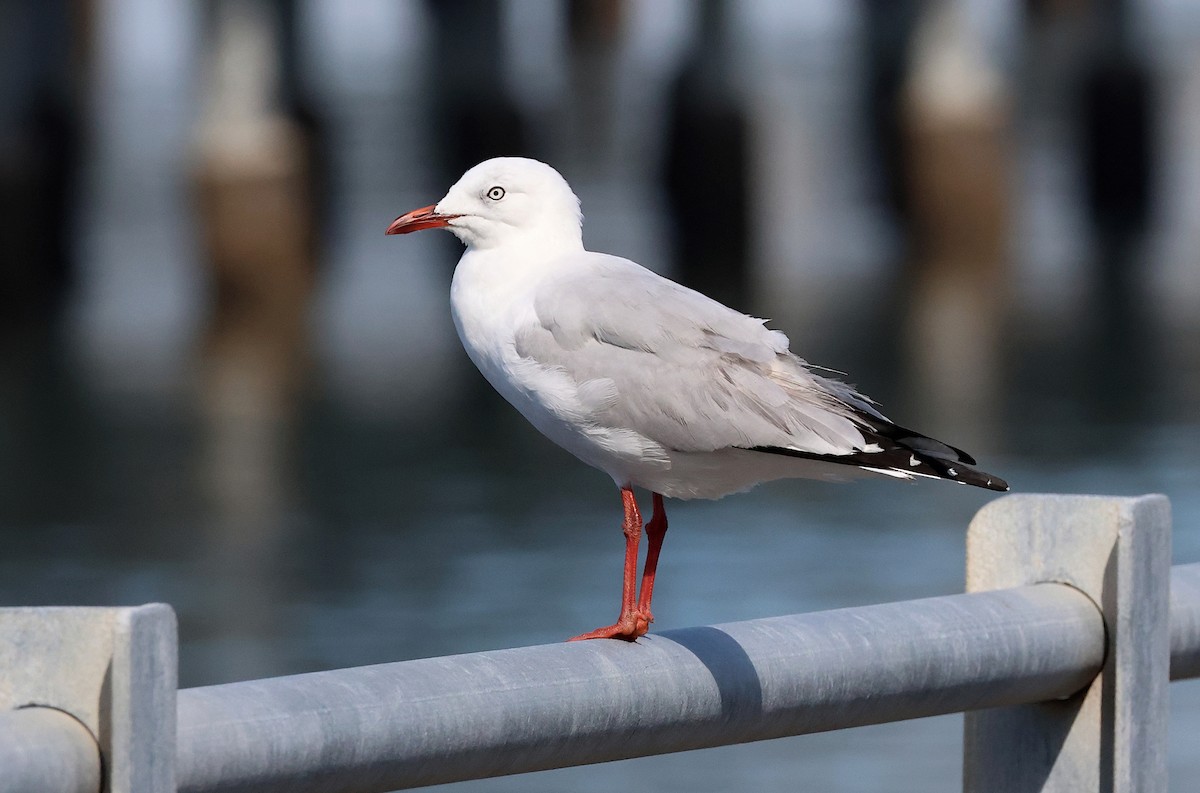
{"type": "Point", "coordinates": [628, 626]}
{"type": "Point", "coordinates": [656, 529]}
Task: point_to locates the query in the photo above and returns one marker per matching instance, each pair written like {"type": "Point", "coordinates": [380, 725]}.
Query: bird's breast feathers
{"type": "Point", "coordinates": [564, 409]}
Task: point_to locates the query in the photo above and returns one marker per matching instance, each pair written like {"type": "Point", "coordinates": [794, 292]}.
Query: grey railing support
{"type": "Point", "coordinates": [1112, 736]}
{"type": "Point", "coordinates": [435, 720]}
{"type": "Point", "coordinates": [1069, 608]}
{"type": "Point", "coordinates": [43, 750]}
{"type": "Point", "coordinates": [113, 670]}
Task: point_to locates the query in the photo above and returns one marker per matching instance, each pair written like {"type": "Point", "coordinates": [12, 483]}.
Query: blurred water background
{"type": "Point", "coordinates": [222, 387]}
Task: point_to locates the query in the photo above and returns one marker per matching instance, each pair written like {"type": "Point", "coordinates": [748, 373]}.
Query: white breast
{"type": "Point", "coordinates": [488, 313]}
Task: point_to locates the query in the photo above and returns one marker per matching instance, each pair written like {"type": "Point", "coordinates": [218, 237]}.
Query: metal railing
{"type": "Point", "coordinates": [1073, 606]}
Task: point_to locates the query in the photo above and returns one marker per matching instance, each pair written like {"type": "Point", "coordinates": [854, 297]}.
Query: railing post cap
{"type": "Point", "coordinates": [113, 669]}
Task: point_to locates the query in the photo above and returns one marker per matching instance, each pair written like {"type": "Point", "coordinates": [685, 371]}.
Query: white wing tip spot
{"type": "Point", "coordinates": [952, 472]}
{"type": "Point", "coordinates": [913, 461]}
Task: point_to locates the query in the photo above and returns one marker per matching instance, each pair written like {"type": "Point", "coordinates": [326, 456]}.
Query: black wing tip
{"type": "Point", "coordinates": [906, 461]}
{"type": "Point", "coordinates": [997, 484]}
{"type": "Point", "coordinates": [904, 451]}
{"type": "Point", "coordinates": [984, 480]}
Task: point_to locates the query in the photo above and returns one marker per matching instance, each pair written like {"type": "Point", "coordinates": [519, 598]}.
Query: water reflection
{"type": "Point", "coordinates": [253, 405]}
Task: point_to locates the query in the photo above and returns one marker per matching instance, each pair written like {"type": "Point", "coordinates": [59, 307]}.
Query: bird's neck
{"type": "Point", "coordinates": [531, 252]}
{"type": "Point", "coordinates": [506, 274]}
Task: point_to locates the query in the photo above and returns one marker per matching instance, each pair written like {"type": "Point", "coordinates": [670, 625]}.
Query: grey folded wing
{"type": "Point", "coordinates": [683, 370]}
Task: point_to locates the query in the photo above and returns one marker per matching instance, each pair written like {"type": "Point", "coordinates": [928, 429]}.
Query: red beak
{"type": "Point", "coordinates": [418, 219]}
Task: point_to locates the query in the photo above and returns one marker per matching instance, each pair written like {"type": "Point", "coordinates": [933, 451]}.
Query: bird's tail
{"type": "Point", "coordinates": [920, 455]}
{"type": "Point", "coordinates": [905, 454]}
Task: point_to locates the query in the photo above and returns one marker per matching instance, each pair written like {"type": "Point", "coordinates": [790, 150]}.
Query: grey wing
{"type": "Point", "coordinates": [683, 370]}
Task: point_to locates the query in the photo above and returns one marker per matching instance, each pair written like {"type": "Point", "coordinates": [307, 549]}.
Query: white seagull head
{"type": "Point", "coordinates": [502, 201]}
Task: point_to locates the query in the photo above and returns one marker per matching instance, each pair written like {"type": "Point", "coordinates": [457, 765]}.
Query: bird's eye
{"type": "Point", "coordinates": [496, 193]}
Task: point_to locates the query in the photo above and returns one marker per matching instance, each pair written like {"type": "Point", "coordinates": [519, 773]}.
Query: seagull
{"type": "Point", "coordinates": [653, 383]}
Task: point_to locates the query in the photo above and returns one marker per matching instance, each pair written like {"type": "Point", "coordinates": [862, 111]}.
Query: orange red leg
{"type": "Point", "coordinates": [656, 530]}
{"type": "Point", "coordinates": [635, 617]}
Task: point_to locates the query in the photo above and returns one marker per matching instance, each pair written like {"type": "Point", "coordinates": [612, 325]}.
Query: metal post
{"type": "Point", "coordinates": [48, 751]}
{"type": "Point", "coordinates": [1112, 735]}
{"type": "Point", "coordinates": [113, 670]}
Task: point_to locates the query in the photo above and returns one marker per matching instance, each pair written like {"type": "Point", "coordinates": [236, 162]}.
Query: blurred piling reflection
{"type": "Point", "coordinates": [44, 49]}
{"type": "Point", "coordinates": [593, 33]}
{"type": "Point", "coordinates": [254, 182]}
{"type": "Point", "coordinates": [1117, 130]}
{"type": "Point", "coordinates": [474, 116]}
{"type": "Point", "coordinates": [956, 126]}
{"type": "Point", "coordinates": [708, 163]}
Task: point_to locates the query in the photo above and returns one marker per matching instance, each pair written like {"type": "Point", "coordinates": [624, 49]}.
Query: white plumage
{"type": "Point", "coordinates": [651, 382]}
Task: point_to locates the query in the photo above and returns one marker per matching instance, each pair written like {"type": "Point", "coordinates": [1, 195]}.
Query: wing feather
{"type": "Point", "coordinates": [685, 371]}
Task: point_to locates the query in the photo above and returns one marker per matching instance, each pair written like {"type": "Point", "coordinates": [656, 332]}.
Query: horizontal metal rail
{"type": "Point", "coordinates": [1185, 621]}
{"type": "Point", "coordinates": [486, 714]}
{"type": "Point", "coordinates": [473, 716]}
